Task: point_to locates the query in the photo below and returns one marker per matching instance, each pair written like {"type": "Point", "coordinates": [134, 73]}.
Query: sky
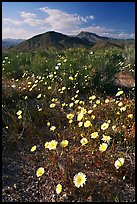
{"type": "Point", "coordinates": [23, 20]}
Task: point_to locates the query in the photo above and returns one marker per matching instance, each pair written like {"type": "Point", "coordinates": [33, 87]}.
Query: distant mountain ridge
{"type": "Point", "coordinates": [59, 41]}
{"type": "Point", "coordinates": [10, 42]}
{"type": "Point", "coordinates": [101, 40]}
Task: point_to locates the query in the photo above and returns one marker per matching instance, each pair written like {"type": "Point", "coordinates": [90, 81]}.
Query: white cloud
{"type": "Point", "coordinates": [121, 35]}
{"type": "Point", "coordinates": [56, 20]}
{"type": "Point", "coordinates": [11, 21]}
{"type": "Point", "coordinates": [94, 29]}
{"type": "Point", "coordinates": [27, 14]}
{"type": "Point", "coordinates": [61, 21]}
{"type": "Point", "coordinates": [30, 18]}
{"type": "Point", "coordinates": [18, 33]}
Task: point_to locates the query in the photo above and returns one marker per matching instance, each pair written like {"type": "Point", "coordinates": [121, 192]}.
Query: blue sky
{"type": "Point", "coordinates": [26, 19]}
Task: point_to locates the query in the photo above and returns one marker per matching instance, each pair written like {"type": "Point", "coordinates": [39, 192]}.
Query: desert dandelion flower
{"type": "Point", "coordinates": [52, 128]}
{"type": "Point", "coordinates": [39, 96]}
{"type": "Point", "coordinates": [130, 116]}
{"type": "Point", "coordinates": [106, 138]}
{"type": "Point", "coordinates": [119, 162]}
{"type": "Point", "coordinates": [92, 97]}
{"type": "Point", "coordinates": [97, 101]}
{"type": "Point", "coordinates": [71, 78]}
{"type": "Point", "coordinates": [64, 143]}
{"type": "Point", "coordinates": [19, 112]}
{"type": "Point", "coordinates": [104, 126]}
{"type": "Point", "coordinates": [107, 100]}
{"type": "Point", "coordinates": [79, 179]}
{"type": "Point", "coordinates": [58, 188]}
{"type": "Point", "coordinates": [52, 144]}
{"type": "Point", "coordinates": [20, 116]}
{"type": "Point", "coordinates": [48, 124]}
{"type": "Point", "coordinates": [46, 145]}
{"type": "Point", "coordinates": [40, 171]}
{"type": "Point", "coordinates": [123, 108]}
{"type": "Point", "coordinates": [87, 123]}
{"type": "Point", "coordinates": [80, 124]}
{"type": "Point", "coordinates": [52, 105]}
{"type": "Point", "coordinates": [33, 148]}
{"type": "Point", "coordinates": [103, 147]}
{"type": "Point", "coordinates": [119, 93]}
{"type": "Point", "coordinates": [84, 141]}
{"type": "Point", "coordinates": [80, 116]}
{"type": "Point", "coordinates": [94, 135]}
{"type": "Point", "coordinates": [70, 116]}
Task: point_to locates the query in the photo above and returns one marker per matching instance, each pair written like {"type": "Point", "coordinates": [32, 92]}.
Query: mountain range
{"type": "Point", "coordinates": [9, 42]}
{"type": "Point", "coordinates": [59, 41]}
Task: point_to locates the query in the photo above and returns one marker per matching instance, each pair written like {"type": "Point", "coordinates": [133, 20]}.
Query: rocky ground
{"type": "Point", "coordinates": [20, 184]}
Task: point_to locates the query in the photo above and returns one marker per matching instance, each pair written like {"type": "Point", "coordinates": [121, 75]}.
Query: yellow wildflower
{"type": "Point", "coordinates": [130, 116]}
{"type": "Point", "coordinates": [20, 116]}
{"type": "Point", "coordinates": [52, 128]}
{"type": "Point", "coordinates": [123, 108]}
{"type": "Point", "coordinates": [106, 138]}
{"type": "Point", "coordinates": [19, 112]}
{"type": "Point", "coordinates": [80, 124]}
{"type": "Point", "coordinates": [71, 105]}
{"type": "Point", "coordinates": [119, 93]}
{"type": "Point", "coordinates": [80, 116]}
{"type": "Point", "coordinates": [64, 143]}
{"type": "Point", "coordinates": [70, 121]}
{"type": "Point", "coordinates": [104, 126]}
{"type": "Point", "coordinates": [46, 145]}
{"type": "Point", "coordinates": [48, 124]}
{"type": "Point", "coordinates": [103, 147]}
{"type": "Point", "coordinates": [107, 101]}
{"type": "Point", "coordinates": [94, 106]}
{"type": "Point", "coordinates": [70, 116]}
{"type": "Point", "coordinates": [97, 101]}
{"type": "Point", "coordinates": [79, 179]}
{"type": "Point", "coordinates": [92, 97]}
{"type": "Point", "coordinates": [52, 105]}
{"type": "Point", "coordinates": [120, 104]}
{"type": "Point", "coordinates": [119, 162]}
{"type": "Point", "coordinates": [87, 123]}
{"type": "Point", "coordinates": [33, 148]}
{"type": "Point", "coordinates": [93, 117]}
{"type": "Point", "coordinates": [40, 172]}
{"type": "Point", "coordinates": [39, 96]}
{"type": "Point", "coordinates": [58, 188]}
{"type": "Point", "coordinates": [113, 127]}
{"type": "Point", "coordinates": [52, 144]}
{"type": "Point", "coordinates": [94, 135]}
{"type": "Point", "coordinates": [90, 111]}
{"type": "Point", "coordinates": [84, 141]}
{"type": "Point", "coordinates": [83, 110]}
{"type": "Point", "coordinates": [71, 78]}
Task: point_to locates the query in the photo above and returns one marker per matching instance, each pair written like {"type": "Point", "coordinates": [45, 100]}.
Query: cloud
{"type": "Point", "coordinates": [27, 18]}
{"type": "Point", "coordinates": [121, 35]}
{"type": "Point", "coordinates": [59, 21]}
{"type": "Point", "coordinates": [30, 18]}
{"type": "Point", "coordinates": [18, 33]}
{"type": "Point", "coordinates": [11, 21]}
{"type": "Point", "coordinates": [94, 29]}
{"type": "Point", "coordinates": [27, 14]}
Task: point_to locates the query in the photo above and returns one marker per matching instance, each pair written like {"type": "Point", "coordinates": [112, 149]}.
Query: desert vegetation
{"type": "Point", "coordinates": [76, 127]}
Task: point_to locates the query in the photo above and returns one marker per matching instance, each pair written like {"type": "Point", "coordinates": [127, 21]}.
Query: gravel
{"type": "Point", "coordinates": [20, 184]}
